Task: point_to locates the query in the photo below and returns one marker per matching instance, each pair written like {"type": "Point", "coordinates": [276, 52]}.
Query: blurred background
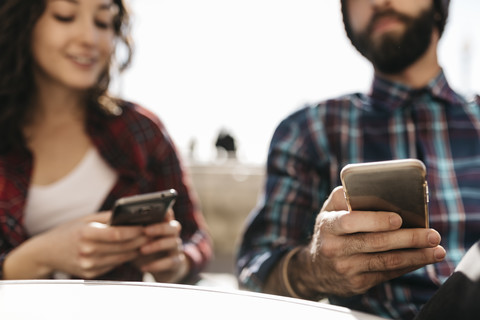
{"type": "Point", "coordinates": [207, 66]}
{"type": "Point", "coordinates": [204, 65]}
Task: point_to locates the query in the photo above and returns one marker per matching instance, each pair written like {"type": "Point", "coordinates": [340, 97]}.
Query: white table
{"type": "Point", "coordinates": [78, 299]}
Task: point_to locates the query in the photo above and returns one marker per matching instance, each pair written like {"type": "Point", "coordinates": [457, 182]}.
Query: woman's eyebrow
{"type": "Point", "coordinates": [101, 6]}
{"type": "Point", "coordinates": [70, 1]}
{"type": "Point", "coordinates": [106, 6]}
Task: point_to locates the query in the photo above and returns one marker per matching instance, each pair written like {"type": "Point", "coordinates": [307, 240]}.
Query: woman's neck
{"type": "Point", "coordinates": [55, 104]}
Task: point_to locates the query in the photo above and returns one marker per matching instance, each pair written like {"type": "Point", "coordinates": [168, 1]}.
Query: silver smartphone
{"type": "Point", "coordinates": [397, 185]}
{"type": "Point", "coordinates": [143, 209]}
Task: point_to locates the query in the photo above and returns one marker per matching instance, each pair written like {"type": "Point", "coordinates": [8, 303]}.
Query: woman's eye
{"type": "Point", "coordinates": [63, 18]}
{"type": "Point", "coordinates": [103, 24]}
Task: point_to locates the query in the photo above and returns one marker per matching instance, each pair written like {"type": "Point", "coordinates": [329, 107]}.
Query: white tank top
{"type": "Point", "coordinates": [80, 193]}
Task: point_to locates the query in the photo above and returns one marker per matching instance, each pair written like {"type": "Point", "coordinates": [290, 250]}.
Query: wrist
{"type": "Point", "coordinates": [296, 275]}
{"type": "Point", "coordinates": [178, 274]}
{"type": "Point", "coordinates": [26, 262]}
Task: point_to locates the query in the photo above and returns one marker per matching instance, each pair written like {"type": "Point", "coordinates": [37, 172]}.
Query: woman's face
{"type": "Point", "coordinates": [72, 42]}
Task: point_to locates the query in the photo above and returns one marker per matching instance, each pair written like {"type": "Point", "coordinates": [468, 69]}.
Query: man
{"type": "Point", "coordinates": [302, 242]}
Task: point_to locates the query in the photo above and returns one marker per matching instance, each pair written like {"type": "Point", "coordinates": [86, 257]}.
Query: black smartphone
{"type": "Point", "coordinates": [397, 185]}
{"type": "Point", "coordinates": [142, 209]}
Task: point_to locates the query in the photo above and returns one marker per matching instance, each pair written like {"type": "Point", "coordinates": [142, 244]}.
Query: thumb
{"type": "Point", "coordinates": [101, 217]}
{"type": "Point", "coordinates": [170, 215]}
{"type": "Point", "coordinates": [336, 201]}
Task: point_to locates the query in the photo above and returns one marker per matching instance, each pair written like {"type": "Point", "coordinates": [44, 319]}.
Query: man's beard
{"type": "Point", "coordinates": [394, 53]}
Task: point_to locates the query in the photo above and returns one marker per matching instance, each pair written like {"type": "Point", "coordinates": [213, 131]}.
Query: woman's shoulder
{"type": "Point", "coordinates": [132, 117]}
{"type": "Point", "coordinates": [133, 111]}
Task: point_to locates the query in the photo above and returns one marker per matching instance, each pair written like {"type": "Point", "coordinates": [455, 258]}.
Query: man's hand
{"type": "Point", "coordinates": [351, 252]}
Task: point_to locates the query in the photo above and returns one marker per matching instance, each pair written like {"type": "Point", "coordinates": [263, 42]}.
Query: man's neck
{"type": "Point", "coordinates": [422, 71]}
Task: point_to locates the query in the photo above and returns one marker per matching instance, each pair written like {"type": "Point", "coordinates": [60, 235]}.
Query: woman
{"type": "Point", "coordinates": [68, 150]}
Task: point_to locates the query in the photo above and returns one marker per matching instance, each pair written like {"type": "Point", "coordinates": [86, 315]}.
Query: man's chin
{"type": "Point", "coordinates": [393, 36]}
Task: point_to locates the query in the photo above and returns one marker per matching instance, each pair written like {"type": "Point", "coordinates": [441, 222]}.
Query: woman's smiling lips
{"type": "Point", "coordinates": [83, 61]}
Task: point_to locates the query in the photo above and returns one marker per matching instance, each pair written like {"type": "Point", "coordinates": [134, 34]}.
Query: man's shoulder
{"type": "Point", "coordinates": [332, 105]}
{"type": "Point", "coordinates": [316, 117]}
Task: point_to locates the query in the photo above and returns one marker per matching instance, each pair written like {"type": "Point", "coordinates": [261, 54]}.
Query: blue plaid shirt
{"type": "Point", "coordinates": [310, 147]}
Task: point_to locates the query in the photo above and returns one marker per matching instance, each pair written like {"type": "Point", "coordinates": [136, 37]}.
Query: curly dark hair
{"type": "Point", "coordinates": [17, 20]}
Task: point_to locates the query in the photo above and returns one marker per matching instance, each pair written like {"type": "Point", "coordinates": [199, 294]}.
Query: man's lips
{"type": "Point", "coordinates": [384, 24]}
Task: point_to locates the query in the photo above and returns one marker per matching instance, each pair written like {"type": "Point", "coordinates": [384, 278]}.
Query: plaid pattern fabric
{"type": "Point", "coordinates": [137, 146]}
{"type": "Point", "coordinates": [310, 147]}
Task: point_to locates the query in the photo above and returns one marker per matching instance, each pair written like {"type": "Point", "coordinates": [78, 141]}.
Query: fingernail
{"type": "Point", "coordinates": [439, 254]}
{"type": "Point", "coordinates": [433, 238]}
{"type": "Point", "coordinates": [395, 221]}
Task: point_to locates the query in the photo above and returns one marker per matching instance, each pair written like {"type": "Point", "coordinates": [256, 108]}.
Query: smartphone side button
{"type": "Point", "coordinates": [427, 194]}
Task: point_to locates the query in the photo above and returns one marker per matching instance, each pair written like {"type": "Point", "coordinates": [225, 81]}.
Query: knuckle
{"type": "Point", "coordinates": [356, 244]}
{"type": "Point", "coordinates": [394, 261]}
{"type": "Point", "coordinates": [116, 234]}
{"type": "Point", "coordinates": [382, 262]}
{"type": "Point", "coordinates": [359, 284]}
{"type": "Point", "coordinates": [326, 222]}
{"type": "Point", "coordinates": [427, 256]}
{"type": "Point", "coordinates": [179, 245]}
{"type": "Point", "coordinates": [376, 263]}
{"type": "Point", "coordinates": [346, 223]}
{"type": "Point", "coordinates": [414, 239]}
{"type": "Point", "coordinates": [86, 264]}
{"type": "Point", "coordinates": [327, 249]}
{"type": "Point", "coordinates": [175, 224]}
{"type": "Point", "coordinates": [341, 267]}
{"type": "Point", "coordinates": [82, 234]}
{"type": "Point", "coordinates": [170, 243]}
{"type": "Point", "coordinates": [420, 257]}
{"type": "Point", "coordinates": [377, 240]}
{"type": "Point", "coordinates": [160, 244]}
{"type": "Point", "coordinates": [86, 249]}
{"type": "Point", "coordinates": [323, 225]}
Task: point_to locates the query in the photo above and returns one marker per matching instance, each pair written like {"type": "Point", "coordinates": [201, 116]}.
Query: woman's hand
{"type": "Point", "coordinates": [85, 248]}
{"type": "Point", "coordinates": [163, 255]}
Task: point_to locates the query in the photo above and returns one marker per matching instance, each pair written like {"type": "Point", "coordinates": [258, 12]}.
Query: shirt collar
{"type": "Point", "coordinates": [103, 129]}
{"type": "Point", "coordinates": [389, 95]}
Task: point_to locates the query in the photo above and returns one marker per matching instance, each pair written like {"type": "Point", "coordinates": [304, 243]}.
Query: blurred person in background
{"type": "Point", "coordinates": [301, 241]}
{"type": "Point", "coordinates": [69, 150]}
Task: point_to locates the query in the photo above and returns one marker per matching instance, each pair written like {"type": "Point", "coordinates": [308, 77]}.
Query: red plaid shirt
{"type": "Point", "coordinates": [137, 146]}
